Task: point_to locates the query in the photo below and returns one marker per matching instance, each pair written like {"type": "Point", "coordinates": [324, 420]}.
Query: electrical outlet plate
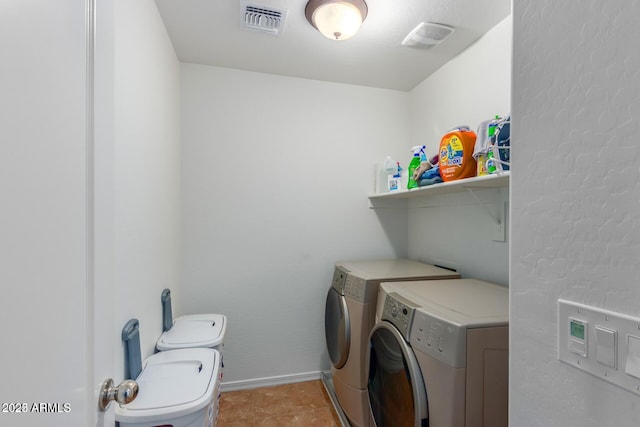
{"type": "Point", "coordinates": [603, 343]}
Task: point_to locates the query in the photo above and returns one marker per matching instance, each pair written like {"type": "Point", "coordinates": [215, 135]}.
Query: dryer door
{"type": "Point", "coordinates": [337, 329]}
{"type": "Point", "coordinates": [397, 395]}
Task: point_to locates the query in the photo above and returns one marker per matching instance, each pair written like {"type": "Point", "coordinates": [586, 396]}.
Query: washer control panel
{"type": "Point", "coordinates": [443, 340]}
{"type": "Point", "coordinates": [355, 288]}
{"type": "Point", "coordinates": [399, 311]}
{"type": "Point", "coordinates": [339, 277]}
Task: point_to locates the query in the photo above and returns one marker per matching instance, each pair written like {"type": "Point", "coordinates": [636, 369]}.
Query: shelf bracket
{"type": "Point", "coordinates": [388, 204]}
{"type": "Point", "coordinates": [499, 220]}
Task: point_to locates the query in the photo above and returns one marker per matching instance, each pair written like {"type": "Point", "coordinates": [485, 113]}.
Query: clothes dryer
{"type": "Point", "coordinates": [439, 356]}
{"type": "Point", "coordinates": [349, 317]}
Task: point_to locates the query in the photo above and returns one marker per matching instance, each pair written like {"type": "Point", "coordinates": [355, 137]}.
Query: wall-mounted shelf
{"type": "Point", "coordinates": [498, 215]}
{"type": "Point", "coordinates": [461, 185]}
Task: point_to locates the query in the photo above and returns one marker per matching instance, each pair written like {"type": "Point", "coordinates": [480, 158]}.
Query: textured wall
{"type": "Point", "coordinates": [575, 226]}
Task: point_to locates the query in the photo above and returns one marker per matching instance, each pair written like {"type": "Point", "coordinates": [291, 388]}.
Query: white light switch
{"type": "Point", "coordinates": [632, 366]}
{"type": "Point", "coordinates": [606, 346]}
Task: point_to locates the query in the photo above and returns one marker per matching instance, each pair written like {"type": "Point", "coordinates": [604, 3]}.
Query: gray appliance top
{"type": "Point", "coordinates": [462, 302]}
{"type": "Point", "coordinates": [394, 269]}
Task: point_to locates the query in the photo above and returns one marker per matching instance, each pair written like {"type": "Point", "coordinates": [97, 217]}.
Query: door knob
{"type": "Point", "coordinates": [124, 393]}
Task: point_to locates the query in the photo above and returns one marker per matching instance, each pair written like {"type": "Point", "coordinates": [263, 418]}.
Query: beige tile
{"type": "Point", "coordinates": [307, 418]}
{"type": "Point", "coordinates": [303, 404]}
{"type": "Point", "coordinates": [240, 423]}
{"type": "Point", "coordinates": [236, 406]}
{"type": "Point", "coordinates": [288, 399]}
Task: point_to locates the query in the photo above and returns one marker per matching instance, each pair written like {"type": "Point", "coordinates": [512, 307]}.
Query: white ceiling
{"type": "Point", "coordinates": [211, 32]}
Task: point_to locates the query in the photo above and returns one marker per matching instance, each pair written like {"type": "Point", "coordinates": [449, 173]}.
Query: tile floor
{"type": "Point", "coordinates": [304, 404]}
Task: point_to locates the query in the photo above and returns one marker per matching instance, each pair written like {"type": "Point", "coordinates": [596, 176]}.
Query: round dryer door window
{"type": "Point", "coordinates": [336, 328]}
{"type": "Point", "coordinates": [396, 388]}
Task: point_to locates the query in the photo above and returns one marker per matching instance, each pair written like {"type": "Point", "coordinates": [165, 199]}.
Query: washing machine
{"type": "Point", "coordinates": [350, 316]}
{"type": "Point", "coordinates": [439, 356]}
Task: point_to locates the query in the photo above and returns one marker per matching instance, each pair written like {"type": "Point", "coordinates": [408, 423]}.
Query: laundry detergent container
{"type": "Point", "coordinates": [456, 154]}
{"type": "Point", "coordinates": [178, 388]}
{"type": "Point", "coordinates": [195, 330]}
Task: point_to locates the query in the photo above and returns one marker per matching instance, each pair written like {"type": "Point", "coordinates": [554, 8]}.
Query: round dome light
{"type": "Point", "coordinates": [336, 19]}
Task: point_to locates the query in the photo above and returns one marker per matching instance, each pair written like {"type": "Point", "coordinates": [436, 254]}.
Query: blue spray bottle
{"type": "Point", "coordinates": [414, 164]}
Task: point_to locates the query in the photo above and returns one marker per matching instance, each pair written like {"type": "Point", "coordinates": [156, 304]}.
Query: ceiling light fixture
{"type": "Point", "coordinates": [336, 19]}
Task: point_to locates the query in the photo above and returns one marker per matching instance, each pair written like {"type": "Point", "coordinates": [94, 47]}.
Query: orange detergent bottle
{"type": "Point", "coordinates": [456, 154]}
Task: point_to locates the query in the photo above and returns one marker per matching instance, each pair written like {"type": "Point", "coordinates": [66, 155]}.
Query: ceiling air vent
{"type": "Point", "coordinates": [427, 34]}
{"type": "Point", "coordinates": [263, 18]}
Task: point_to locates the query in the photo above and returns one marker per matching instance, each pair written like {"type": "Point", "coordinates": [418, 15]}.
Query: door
{"type": "Point", "coordinates": [55, 260]}
{"type": "Point", "coordinates": [397, 394]}
{"type": "Point", "coordinates": [336, 321]}
{"type": "Point", "coordinates": [105, 333]}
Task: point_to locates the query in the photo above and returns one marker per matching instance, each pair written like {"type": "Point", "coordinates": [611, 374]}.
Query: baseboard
{"type": "Point", "coordinates": [270, 381]}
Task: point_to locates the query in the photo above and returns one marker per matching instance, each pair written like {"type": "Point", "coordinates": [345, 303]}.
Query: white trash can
{"type": "Point", "coordinates": [178, 388]}
{"type": "Point", "coordinates": [193, 330]}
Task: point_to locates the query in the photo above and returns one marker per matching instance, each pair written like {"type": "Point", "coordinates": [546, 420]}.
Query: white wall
{"type": "Point", "coordinates": [455, 230]}
{"type": "Point", "coordinates": [574, 199]}
{"type": "Point", "coordinates": [43, 214]}
{"type": "Point", "coordinates": [146, 170]}
{"type": "Point", "coordinates": [472, 87]}
{"type": "Point", "coordinates": [274, 182]}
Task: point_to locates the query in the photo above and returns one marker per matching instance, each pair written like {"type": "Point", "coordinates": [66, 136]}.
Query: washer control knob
{"type": "Point", "coordinates": [394, 310]}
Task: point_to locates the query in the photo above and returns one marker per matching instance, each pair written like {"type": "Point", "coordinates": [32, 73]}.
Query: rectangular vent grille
{"type": "Point", "coordinates": [427, 34]}
{"type": "Point", "coordinates": [268, 20]}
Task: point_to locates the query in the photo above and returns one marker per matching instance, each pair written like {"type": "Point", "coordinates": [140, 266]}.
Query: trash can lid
{"type": "Point", "coordinates": [172, 384]}
{"type": "Point", "coordinates": [195, 330]}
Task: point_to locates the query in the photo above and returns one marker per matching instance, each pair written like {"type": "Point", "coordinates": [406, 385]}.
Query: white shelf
{"type": "Point", "coordinates": [461, 185]}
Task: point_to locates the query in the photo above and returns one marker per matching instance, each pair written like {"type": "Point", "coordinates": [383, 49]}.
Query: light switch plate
{"type": "Point", "coordinates": [611, 341]}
